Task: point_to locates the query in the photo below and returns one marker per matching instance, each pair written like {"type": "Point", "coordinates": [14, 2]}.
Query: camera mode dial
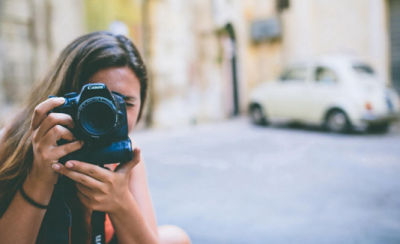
{"type": "Point", "coordinates": [71, 95]}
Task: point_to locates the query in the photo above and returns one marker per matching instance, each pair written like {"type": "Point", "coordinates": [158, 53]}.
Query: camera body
{"type": "Point", "coordinates": [101, 122]}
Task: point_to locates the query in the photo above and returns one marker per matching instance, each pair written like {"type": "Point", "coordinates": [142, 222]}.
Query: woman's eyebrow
{"type": "Point", "coordinates": [131, 98]}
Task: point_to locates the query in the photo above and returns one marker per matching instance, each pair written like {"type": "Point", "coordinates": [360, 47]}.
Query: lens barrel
{"type": "Point", "coordinates": [97, 117]}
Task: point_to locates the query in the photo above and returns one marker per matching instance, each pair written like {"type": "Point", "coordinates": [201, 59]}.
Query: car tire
{"type": "Point", "coordinates": [257, 115]}
{"type": "Point", "coordinates": [337, 121]}
{"type": "Point", "coordinates": [380, 128]}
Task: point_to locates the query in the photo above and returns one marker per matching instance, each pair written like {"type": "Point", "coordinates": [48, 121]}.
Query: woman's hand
{"type": "Point", "coordinates": [46, 130]}
{"type": "Point", "coordinates": [98, 188]}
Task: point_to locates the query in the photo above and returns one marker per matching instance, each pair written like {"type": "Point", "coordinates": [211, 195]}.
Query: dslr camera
{"type": "Point", "coordinates": [101, 122]}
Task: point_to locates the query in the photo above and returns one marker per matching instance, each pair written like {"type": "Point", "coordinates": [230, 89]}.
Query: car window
{"type": "Point", "coordinates": [294, 74]}
{"type": "Point", "coordinates": [363, 70]}
{"type": "Point", "coordinates": [325, 75]}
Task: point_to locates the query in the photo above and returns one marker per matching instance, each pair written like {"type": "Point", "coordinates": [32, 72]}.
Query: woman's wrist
{"type": "Point", "coordinates": [43, 175]}
{"type": "Point", "coordinates": [123, 206]}
{"type": "Point", "coordinates": [130, 225]}
{"type": "Point", "coordinates": [38, 190]}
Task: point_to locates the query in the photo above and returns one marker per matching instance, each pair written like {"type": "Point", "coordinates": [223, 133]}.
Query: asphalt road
{"type": "Point", "coordinates": [234, 182]}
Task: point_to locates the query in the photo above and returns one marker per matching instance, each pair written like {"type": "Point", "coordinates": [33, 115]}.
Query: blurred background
{"type": "Point", "coordinates": [211, 63]}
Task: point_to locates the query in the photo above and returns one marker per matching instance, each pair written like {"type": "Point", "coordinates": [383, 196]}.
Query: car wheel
{"type": "Point", "coordinates": [381, 128]}
{"type": "Point", "coordinates": [257, 115]}
{"type": "Point", "coordinates": [337, 121]}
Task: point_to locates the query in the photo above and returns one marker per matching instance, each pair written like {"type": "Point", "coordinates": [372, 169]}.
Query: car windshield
{"type": "Point", "coordinates": [364, 70]}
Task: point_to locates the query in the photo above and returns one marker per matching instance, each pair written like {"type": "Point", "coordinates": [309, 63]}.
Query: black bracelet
{"type": "Point", "coordinates": [30, 200]}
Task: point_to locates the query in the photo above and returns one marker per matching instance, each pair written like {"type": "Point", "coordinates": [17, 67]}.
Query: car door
{"type": "Point", "coordinates": [290, 90]}
{"type": "Point", "coordinates": [321, 93]}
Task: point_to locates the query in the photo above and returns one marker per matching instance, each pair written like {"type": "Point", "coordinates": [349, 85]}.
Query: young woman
{"type": "Point", "coordinates": [29, 152]}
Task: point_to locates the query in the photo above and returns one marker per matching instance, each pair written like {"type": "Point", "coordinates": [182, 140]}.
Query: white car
{"type": "Point", "coordinates": [340, 93]}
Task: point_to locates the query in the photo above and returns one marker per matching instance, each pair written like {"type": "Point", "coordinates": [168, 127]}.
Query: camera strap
{"type": "Point", "coordinates": [97, 226]}
{"type": "Point", "coordinates": [58, 219]}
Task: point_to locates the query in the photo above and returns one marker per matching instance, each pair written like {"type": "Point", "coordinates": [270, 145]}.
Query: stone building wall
{"type": "Point", "coordinates": [32, 34]}
{"type": "Point", "coordinates": [186, 76]}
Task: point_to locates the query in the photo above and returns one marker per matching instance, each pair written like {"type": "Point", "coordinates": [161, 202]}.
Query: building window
{"type": "Point", "coordinates": [282, 5]}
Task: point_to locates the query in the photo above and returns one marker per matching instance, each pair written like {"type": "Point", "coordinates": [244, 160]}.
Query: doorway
{"type": "Point", "coordinates": [230, 70]}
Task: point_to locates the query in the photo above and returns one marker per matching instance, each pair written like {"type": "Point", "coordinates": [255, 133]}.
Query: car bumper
{"type": "Point", "coordinates": [373, 119]}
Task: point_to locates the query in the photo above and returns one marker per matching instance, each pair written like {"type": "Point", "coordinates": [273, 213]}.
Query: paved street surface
{"type": "Point", "coordinates": [233, 182]}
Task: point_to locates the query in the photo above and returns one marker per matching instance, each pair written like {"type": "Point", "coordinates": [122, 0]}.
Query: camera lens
{"type": "Point", "coordinates": [100, 116]}
{"type": "Point", "coordinates": [97, 117]}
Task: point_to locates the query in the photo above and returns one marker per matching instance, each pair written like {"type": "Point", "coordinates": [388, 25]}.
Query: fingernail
{"type": "Point", "coordinates": [69, 165]}
{"type": "Point", "coordinates": [61, 99]}
{"type": "Point", "coordinates": [82, 142]}
{"type": "Point", "coordinates": [56, 167]}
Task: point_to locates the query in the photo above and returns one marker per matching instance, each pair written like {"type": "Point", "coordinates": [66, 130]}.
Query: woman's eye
{"type": "Point", "coordinates": [130, 104]}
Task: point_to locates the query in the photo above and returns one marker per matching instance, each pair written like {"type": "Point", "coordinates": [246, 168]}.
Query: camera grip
{"type": "Point", "coordinates": [116, 152]}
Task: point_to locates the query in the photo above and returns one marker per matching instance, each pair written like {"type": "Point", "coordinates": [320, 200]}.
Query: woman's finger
{"type": "Point", "coordinates": [128, 166]}
{"type": "Point", "coordinates": [79, 177]}
{"type": "Point", "coordinates": [84, 189]}
{"type": "Point", "coordinates": [84, 199]}
{"type": "Point", "coordinates": [52, 120]}
{"type": "Point", "coordinates": [61, 151]}
{"type": "Point", "coordinates": [57, 133]}
{"type": "Point", "coordinates": [89, 169]}
{"type": "Point", "coordinates": [43, 109]}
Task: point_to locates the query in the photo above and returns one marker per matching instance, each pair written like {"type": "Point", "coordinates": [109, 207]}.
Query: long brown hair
{"type": "Point", "coordinates": [76, 64]}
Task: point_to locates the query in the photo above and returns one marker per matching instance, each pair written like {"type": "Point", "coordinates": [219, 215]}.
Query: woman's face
{"type": "Point", "coordinates": [124, 81]}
